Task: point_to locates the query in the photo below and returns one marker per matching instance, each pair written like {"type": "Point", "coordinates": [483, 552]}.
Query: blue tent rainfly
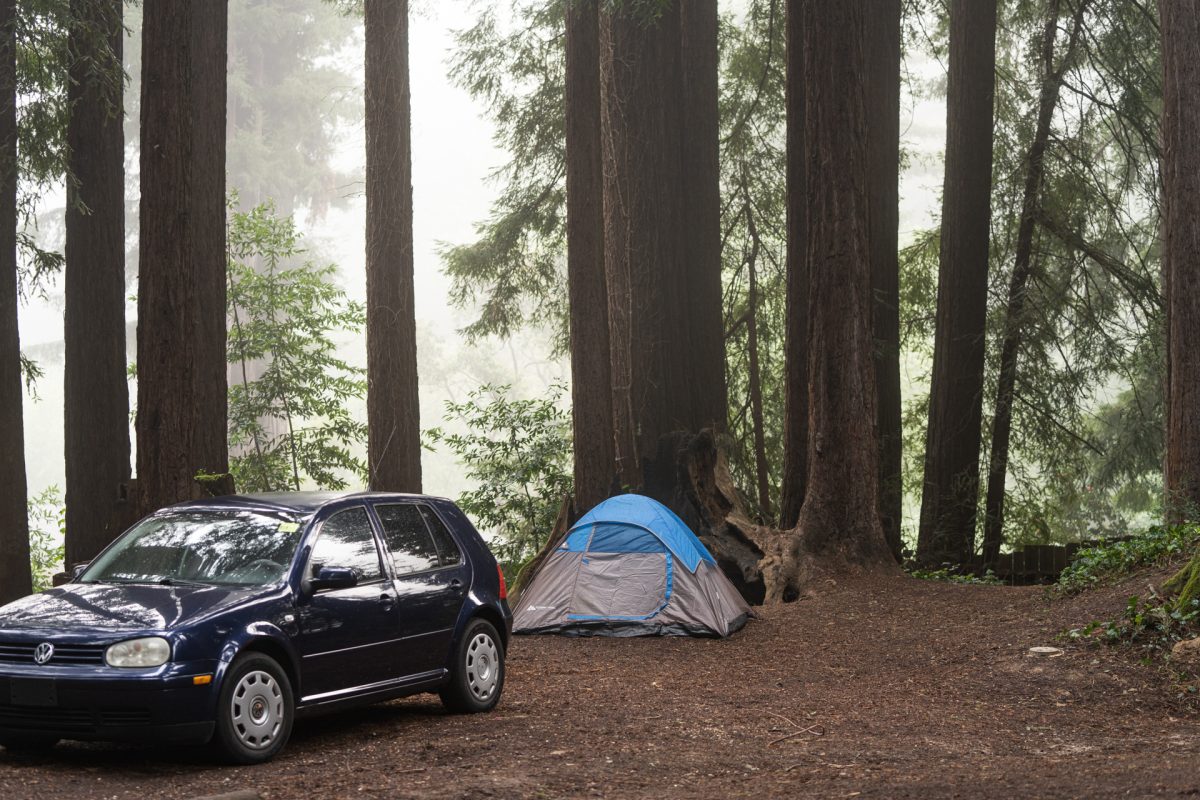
{"type": "Point", "coordinates": [630, 567]}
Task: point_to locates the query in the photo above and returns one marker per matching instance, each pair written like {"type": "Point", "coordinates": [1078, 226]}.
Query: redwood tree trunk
{"type": "Point", "coordinates": [1180, 20]}
{"type": "Point", "coordinates": [839, 522]}
{"type": "Point", "coordinates": [96, 392]}
{"type": "Point", "coordinates": [14, 525]}
{"type": "Point", "coordinates": [795, 423]}
{"type": "Point", "coordinates": [701, 231]}
{"type": "Point", "coordinates": [643, 243]}
{"type": "Point", "coordinates": [951, 492]}
{"type": "Point", "coordinates": [1014, 319]}
{"type": "Point", "coordinates": [393, 401]}
{"type": "Point", "coordinates": [591, 372]}
{"type": "Point", "coordinates": [182, 404]}
{"type": "Point", "coordinates": [883, 144]}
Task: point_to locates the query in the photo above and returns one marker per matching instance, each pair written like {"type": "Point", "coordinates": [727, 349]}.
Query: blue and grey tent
{"type": "Point", "coordinates": [630, 567]}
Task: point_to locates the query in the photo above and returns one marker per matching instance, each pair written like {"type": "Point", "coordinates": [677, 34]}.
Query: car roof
{"type": "Point", "coordinates": [296, 502]}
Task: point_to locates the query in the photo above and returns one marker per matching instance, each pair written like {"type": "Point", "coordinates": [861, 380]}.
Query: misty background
{"type": "Point", "coordinates": [453, 157]}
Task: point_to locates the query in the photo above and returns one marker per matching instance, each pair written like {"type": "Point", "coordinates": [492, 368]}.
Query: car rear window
{"type": "Point", "coordinates": [407, 538]}
{"type": "Point", "coordinates": [447, 547]}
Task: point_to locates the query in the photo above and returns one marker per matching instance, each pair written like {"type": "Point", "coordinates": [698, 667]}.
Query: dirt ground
{"type": "Point", "coordinates": [889, 689]}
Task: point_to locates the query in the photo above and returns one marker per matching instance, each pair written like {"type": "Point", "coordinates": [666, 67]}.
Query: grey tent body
{"type": "Point", "coordinates": [630, 567]}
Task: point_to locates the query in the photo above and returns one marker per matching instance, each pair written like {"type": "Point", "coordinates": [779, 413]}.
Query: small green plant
{"type": "Point", "coordinates": [1111, 560]}
{"type": "Point", "coordinates": [1154, 624]}
{"type": "Point", "coordinates": [47, 527]}
{"type": "Point", "coordinates": [950, 575]}
{"type": "Point", "coordinates": [518, 452]}
{"type": "Point", "coordinates": [289, 418]}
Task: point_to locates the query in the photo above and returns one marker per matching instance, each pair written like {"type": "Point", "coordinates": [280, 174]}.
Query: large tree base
{"type": "Point", "coordinates": [691, 476]}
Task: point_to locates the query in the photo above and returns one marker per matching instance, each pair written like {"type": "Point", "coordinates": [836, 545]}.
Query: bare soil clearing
{"type": "Point", "coordinates": [895, 688]}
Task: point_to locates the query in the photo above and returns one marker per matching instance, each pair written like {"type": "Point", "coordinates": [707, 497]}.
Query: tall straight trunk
{"type": "Point", "coordinates": [393, 401]}
{"type": "Point", "coordinates": [839, 521]}
{"type": "Point", "coordinates": [951, 491]}
{"type": "Point", "coordinates": [883, 144]}
{"type": "Point", "coordinates": [701, 177]}
{"type": "Point", "coordinates": [1180, 20]}
{"type": "Point", "coordinates": [591, 372]}
{"type": "Point", "coordinates": [762, 475]}
{"type": "Point", "coordinates": [15, 580]}
{"type": "Point", "coordinates": [643, 242]}
{"type": "Point", "coordinates": [96, 393]}
{"type": "Point", "coordinates": [1014, 315]}
{"type": "Point", "coordinates": [182, 404]}
{"type": "Point", "coordinates": [795, 389]}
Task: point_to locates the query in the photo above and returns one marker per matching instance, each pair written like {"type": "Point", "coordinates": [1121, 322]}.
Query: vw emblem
{"type": "Point", "coordinates": [43, 653]}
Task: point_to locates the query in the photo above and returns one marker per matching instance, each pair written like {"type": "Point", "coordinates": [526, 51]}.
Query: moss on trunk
{"type": "Point", "coordinates": [1185, 584]}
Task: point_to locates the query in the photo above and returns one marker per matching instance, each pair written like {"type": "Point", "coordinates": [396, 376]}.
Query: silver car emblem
{"type": "Point", "coordinates": [43, 653]}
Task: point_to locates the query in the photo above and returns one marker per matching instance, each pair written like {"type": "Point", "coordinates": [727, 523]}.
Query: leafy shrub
{"type": "Point", "coordinates": [519, 454]}
{"type": "Point", "coordinates": [1155, 625]}
{"type": "Point", "coordinates": [949, 575]}
{"type": "Point", "coordinates": [289, 421]}
{"type": "Point", "coordinates": [1111, 560]}
{"type": "Point", "coordinates": [47, 527]}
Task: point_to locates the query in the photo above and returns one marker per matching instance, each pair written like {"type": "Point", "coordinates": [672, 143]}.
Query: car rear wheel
{"type": "Point", "coordinates": [255, 710]}
{"type": "Point", "coordinates": [477, 674]}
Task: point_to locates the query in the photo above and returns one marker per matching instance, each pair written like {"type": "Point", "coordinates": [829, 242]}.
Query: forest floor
{"type": "Point", "coordinates": [890, 689]}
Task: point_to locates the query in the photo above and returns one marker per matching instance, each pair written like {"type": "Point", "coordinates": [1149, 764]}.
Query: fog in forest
{"type": "Point", "coordinates": [454, 157]}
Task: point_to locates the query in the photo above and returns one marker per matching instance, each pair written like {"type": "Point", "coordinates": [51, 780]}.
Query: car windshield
{"type": "Point", "coordinates": [217, 547]}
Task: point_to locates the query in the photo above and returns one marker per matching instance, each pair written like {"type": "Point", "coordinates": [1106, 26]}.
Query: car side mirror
{"type": "Point", "coordinates": [78, 570]}
{"type": "Point", "coordinates": [334, 578]}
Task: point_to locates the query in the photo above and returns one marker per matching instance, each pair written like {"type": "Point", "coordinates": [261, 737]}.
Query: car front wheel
{"type": "Point", "coordinates": [255, 710]}
{"type": "Point", "coordinates": [477, 673]}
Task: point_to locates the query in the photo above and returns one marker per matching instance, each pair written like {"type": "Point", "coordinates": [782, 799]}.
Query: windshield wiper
{"type": "Point", "coordinates": [178, 582]}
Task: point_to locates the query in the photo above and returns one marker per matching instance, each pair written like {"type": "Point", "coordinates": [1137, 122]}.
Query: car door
{"type": "Point", "coordinates": [431, 582]}
{"type": "Point", "coordinates": [348, 638]}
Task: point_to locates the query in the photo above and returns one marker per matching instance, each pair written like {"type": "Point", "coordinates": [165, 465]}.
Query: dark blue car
{"type": "Point", "coordinates": [223, 620]}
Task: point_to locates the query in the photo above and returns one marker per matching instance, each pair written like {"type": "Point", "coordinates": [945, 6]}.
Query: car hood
{"type": "Point", "coordinates": [90, 606]}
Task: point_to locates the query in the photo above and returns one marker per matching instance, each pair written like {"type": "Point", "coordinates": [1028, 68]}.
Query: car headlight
{"type": "Point", "coordinates": [153, 651]}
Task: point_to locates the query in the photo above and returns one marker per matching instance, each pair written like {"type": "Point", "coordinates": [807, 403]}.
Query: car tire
{"type": "Point", "coordinates": [31, 743]}
{"type": "Point", "coordinates": [477, 672]}
{"type": "Point", "coordinates": [255, 710]}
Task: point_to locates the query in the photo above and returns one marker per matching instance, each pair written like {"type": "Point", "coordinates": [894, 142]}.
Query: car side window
{"type": "Point", "coordinates": [407, 538]}
{"type": "Point", "coordinates": [447, 547]}
{"type": "Point", "coordinates": [346, 541]}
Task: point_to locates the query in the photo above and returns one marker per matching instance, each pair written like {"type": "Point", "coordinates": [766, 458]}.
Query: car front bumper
{"type": "Point", "coordinates": [162, 705]}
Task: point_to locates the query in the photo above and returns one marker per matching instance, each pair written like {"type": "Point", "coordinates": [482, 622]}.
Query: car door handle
{"type": "Point", "coordinates": [387, 601]}
{"type": "Point", "coordinates": [456, 585]}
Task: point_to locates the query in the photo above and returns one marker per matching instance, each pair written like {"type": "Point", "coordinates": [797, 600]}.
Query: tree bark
{"type": "Point", "coordinates": [1180, 21]}
{"type": "Point", "coordinates": [883, 143]}
{"type": "Point", "coordinates": [1014, 318]}
{"type": "Point", "coordinates": [182, 403]}
{"type": "Point", "coordinates": [96, 391]}
{"type": "Point", "coordinates": [393, 400]}
{"type": "Point", "coordinates": [643, 242]}
{"type": "Point", "coordinates": [701, 178]}
{"type": "Point", "coordinates": [795, 424]}
{"type": "Point", "coordinates": [15, 579]}
{"type": "Point", "coordinates": [951, 491]}
{"type": "Point", "coordinates": [591, 371]}
{"type": "Point", "coordinates": [839, 522]}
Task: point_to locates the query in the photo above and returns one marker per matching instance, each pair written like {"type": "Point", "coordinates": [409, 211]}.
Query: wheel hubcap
{"type": "Point", "coordinates": [257, 710]}
{"type": "Point", "coordinates": [483, 666]}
